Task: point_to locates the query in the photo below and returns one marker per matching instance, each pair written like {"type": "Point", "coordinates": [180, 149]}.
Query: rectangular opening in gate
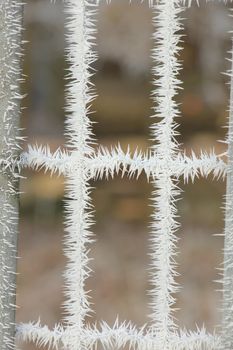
{"type": "Point", "coordinates": [41, 262]}
{"type": "Point", "coordinates": [123, 43]}
{"type": "Point", "coordinates": [42, 118]}
{"type": "Point", "coordinates": [119, 255]}
{"type": "Point", "coordinates": [200, 252]}
{"type": "Point", "coordinates": [204, 100]}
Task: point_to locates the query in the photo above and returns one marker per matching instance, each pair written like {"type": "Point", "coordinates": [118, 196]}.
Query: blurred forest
{"type": "Point", "coordinates": [121, 112]}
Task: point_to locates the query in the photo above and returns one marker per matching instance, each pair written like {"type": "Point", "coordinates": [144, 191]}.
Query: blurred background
{"type": "Point", "coordinates": [122, 112]}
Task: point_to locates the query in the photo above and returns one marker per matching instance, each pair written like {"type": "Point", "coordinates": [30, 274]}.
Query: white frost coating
{"type": "Point", "coordinates": [80, 31]}
{"type": "Point", "coordinates": [163, 164]}
{"type": "Point", "coordinates": [186, 3]}
{"type": "Point", "coordinates": [118, 336]}
{"type": "Point", "coordinates": [227, 305]}
{"type": "Point", "coordinates": [10, 54]}
{"type": "Point", "coordinates": [105, 163]}
{"type": "Point", "coordinates": [163, 241]}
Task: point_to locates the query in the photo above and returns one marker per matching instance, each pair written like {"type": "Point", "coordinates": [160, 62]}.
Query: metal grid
{"type": "Point", "coordinates": [163, 165]}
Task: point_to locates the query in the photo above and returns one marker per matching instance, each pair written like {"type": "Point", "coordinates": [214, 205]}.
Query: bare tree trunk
{"type": "Point", "coordinates": [227, 324]}
{"type": "Point", "coordinates": [10, 54]}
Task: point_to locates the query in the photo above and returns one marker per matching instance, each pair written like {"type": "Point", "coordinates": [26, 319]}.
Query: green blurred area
{"type": "Point", "coordinates": [121, 113]}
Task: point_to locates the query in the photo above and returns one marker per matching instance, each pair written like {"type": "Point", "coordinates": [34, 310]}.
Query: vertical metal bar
{"type": "Point", "coordinates": [11, 13]}
{"type": "Point", "coordinates": [167, 39]}
{"type": "Point", "coordinates": [227, 322]}
{"type": "Point", "coordinates": [80, 55]}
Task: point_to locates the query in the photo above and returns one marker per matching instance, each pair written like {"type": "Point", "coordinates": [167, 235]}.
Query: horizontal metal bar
{"type": "Point", "coordinates": [105, 163]}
